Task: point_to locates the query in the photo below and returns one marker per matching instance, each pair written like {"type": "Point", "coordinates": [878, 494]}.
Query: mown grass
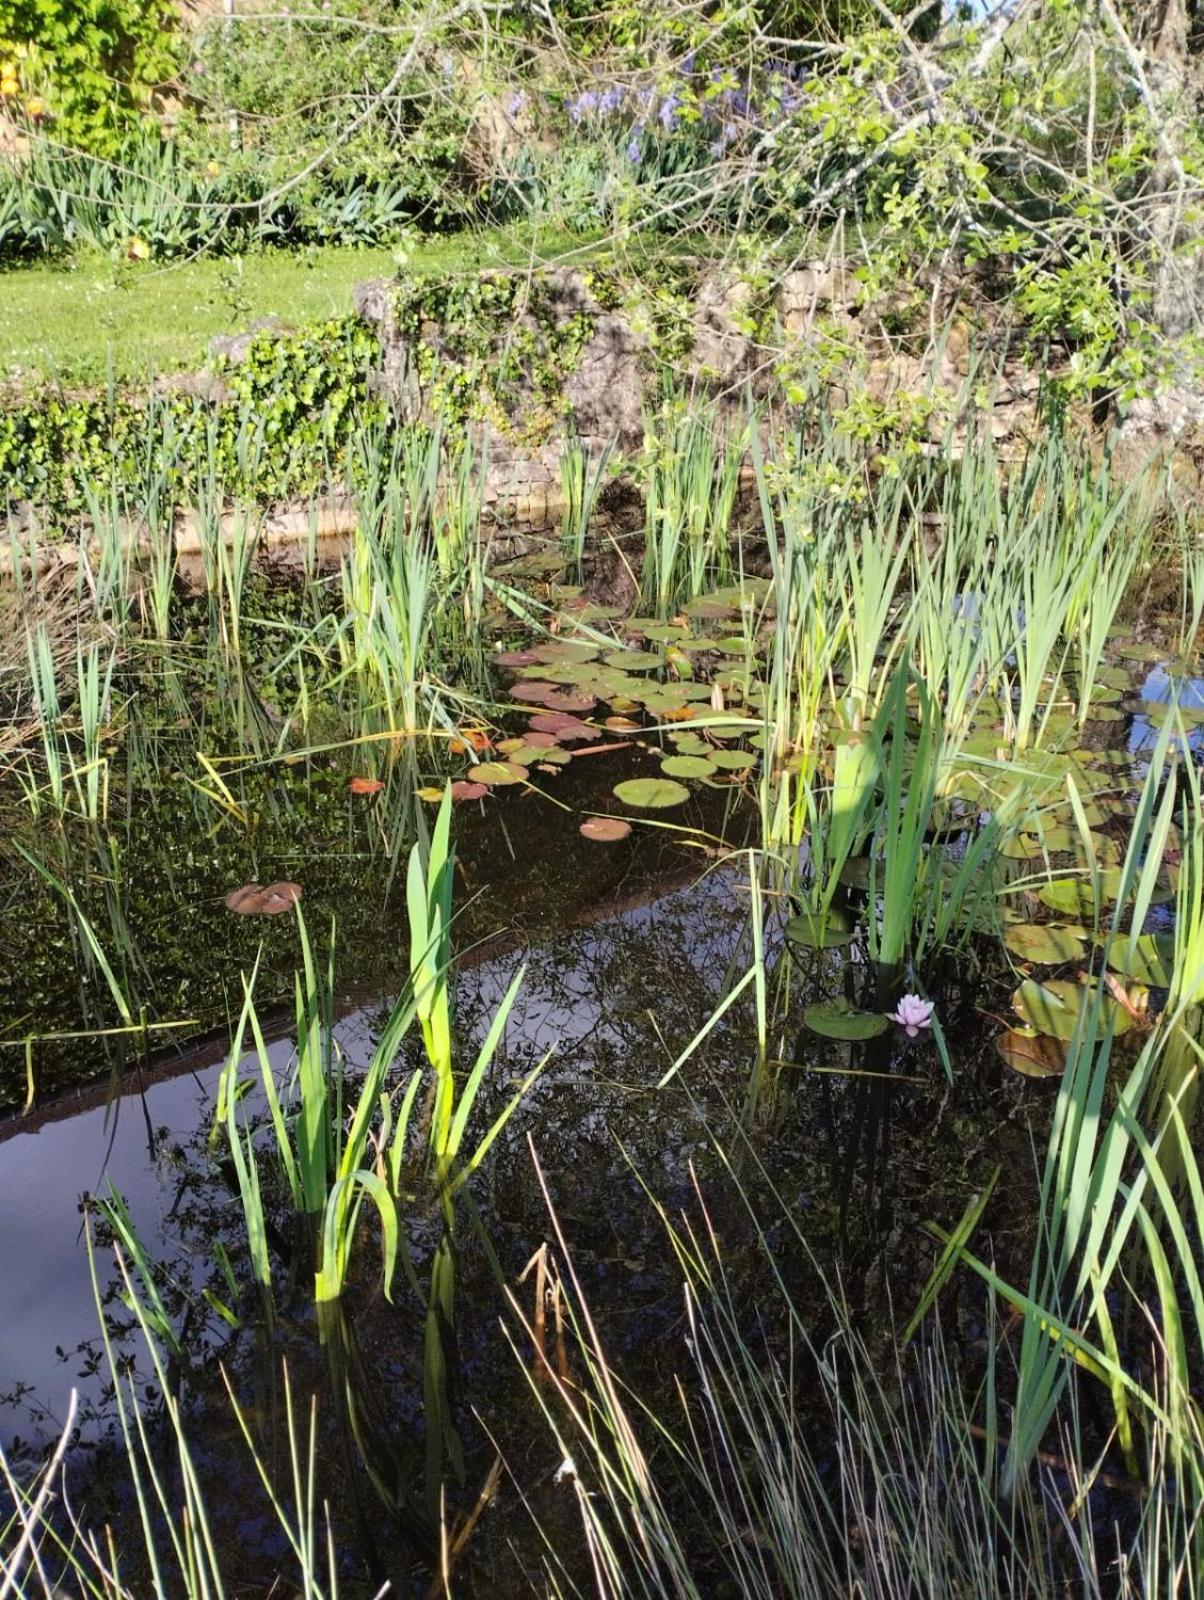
{"type": "Point", "coordinates": [82, 321]}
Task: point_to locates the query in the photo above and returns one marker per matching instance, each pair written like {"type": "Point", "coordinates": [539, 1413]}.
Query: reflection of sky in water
{"type": "Point", "coordinates": [615, 1001]}
{"type": "Point", "coordinates": [1160, 686]}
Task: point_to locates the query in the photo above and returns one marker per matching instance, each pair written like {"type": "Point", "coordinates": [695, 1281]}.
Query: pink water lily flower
{"type": "Point", "coordinates": [913, 1014]}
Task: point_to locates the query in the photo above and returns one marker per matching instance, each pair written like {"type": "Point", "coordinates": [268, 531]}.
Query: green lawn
{"type": "Point", "coordinates": [78, 322]}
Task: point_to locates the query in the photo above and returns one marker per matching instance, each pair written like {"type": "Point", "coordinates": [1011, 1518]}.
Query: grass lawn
{"type": "Point", "coordinates": [79, 321]}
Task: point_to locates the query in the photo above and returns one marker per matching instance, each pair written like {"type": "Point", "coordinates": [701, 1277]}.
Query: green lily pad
{"type": "Point", "coordinates": [821, 933]}
{"type": "Point", "coordinates": [733, 760]}
{"type": "Point", "coordinates": [688, 767]}
{"type": "Point", "coordinates": [634, 660]}
{"type": "Point", "coordinates": [1044, 943]}
{"type": "Point", "coordinates": [1074, 897]}
{"type": "Point", "coordinates": [837, 1019]}
{"type": "Point", "coordinates": [1150, 961]}
{"type": "Point", "coordinates": [526, 755]}
{"type": "Point", "coordinates": [651, 794]}
{"type": "Point", "coordinates": [1054, 1007]}
{"type": "Point", "coordinates": [496, 773]}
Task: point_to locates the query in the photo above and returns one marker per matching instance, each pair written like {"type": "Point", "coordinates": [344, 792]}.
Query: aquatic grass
{"type": "Point", "coordinates": [691, 480]}
{"type": "Point", "coordinates": [583, 475]}
{"type": "Point", "coordinates": [331, 1153]}
{"type": "Point", "coordinates": [1111, 1206]}
{"type": "Point", "coordinates": [94, 710]}
{"type": "Point", "coordinates": [876, 620]}
{"type": "Point", "coordinates": [802, 1460]}
{"type": "Point", "coordinates": [43, 683]}
{"type": "Point", "coordinates": [1188, 551]}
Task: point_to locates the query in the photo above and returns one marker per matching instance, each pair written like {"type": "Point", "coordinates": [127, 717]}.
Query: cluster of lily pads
{"type": "Point", "coordinates": [589, 694]}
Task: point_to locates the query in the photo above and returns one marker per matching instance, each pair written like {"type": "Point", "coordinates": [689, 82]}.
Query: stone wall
{"type": "Point", "coordinates": [738, 337]}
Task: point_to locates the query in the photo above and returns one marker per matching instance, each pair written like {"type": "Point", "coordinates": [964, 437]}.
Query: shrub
{"type": "Point", "coordinates": [90, 67]}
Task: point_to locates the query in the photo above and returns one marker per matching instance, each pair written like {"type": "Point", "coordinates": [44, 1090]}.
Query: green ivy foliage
{"type": "Point", "coordinates": [88, 67]}
{"type": "Point", "coordinates": [492, 346]}
{"type": "Point", "coordinates": [277, 427]}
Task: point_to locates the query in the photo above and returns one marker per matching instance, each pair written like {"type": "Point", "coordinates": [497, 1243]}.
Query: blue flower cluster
{"type": "Point", "coordinates": [715, 99]}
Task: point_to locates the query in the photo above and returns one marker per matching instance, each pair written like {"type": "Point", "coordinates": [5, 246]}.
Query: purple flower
{"type": "Point", "coordinates": [585, 102]}
{"type": "Point", "coordinates": [668, 112]}
{"type": "Point", "coordinates": [516, 103]}
{"type": "Point", "coordinates": [611, 100]}
{"type": "Point", "coordinates": [913, 1013]}
{"type": "Point", "coordinates": [635, 146]}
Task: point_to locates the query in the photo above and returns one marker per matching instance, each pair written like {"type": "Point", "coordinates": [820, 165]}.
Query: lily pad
{"type": "Point", "coordinates": [562, 650]}
{"type": "Point", "coordinates": [635, 660]}
{"type": "Point", "coordinates": [365, 786]}
{"type": "Point", "coordinates": [1034, 1054]}
{"type": "Point", "coordinates": [252, 900]}
{"type": "Point", "coordinates": [605, 830]}
{"type": "Point", "coordinates": [461, 789]}
{"type": "Point", "coordinates": [494, 774]}
{"type": "Point", "coordinates": [1151, 959]}
{"type": "Point", "coordinates": [534, 691]}
{"type": "Point", "coordinates": [821, 933]}
{"type": "Point", "coordinates": [569, 700]}
{"type": "Point", "coordinates": [1054, 1007]}
{"type": "Point", "coordinates": [732, 760]}
{"type": "Point", "coordinates": [688, 767]}
{"type": "Point", "coordinates": [1044, 943]}
{"type": "Point", "coordinates": [1075, 897]}
{"type": "Point", "coordinates": [837, 1019]}
{"type": "Point", "coordinates": [651, 794]}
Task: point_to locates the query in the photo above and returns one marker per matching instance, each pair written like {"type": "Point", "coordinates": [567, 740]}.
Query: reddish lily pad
{"type": "Point", "coordinates": [561, 725]}
{"type": "Point", "coordinates": [365, 786]}
{"type": "Point", "coordinates": [569, 700]}
{"type": "Point", "coordinates": [462, 789]}
{"type": "Point", "coordinates": [533, 690]}
{"type": "Point", "coordinates": [1033, 1054]}
{"type": "Point", "coordinates": [252, 900]}
{"type": "Point", "coordinates": [605, 830]}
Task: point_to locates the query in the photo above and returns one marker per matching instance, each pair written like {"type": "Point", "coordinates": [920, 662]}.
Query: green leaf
{"type": "Point", "coordinates": [1055, 1007]}
{"type": "Point", "coordinates": [651, 794]}
{"type": "Point", "coordinates": [1045, 943]}
{"type": "Point", "coordinates": [837, 1019]}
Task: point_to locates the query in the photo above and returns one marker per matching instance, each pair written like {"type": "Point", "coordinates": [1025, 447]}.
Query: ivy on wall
{"type": "Point", "coordinates": [495, 346]}
{"type": "Point", "coordinates": [276, 427]}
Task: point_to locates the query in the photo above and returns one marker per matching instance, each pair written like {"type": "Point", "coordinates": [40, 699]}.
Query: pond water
{"type": "Point", "coordinates": [628, 948]}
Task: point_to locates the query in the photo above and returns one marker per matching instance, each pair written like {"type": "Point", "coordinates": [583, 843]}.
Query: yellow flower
{"type": "Point", "coordinates": [139, 250]}
{"type": "Point", "coordinates": [213, 169]}
{"type": "Point", "coordinates": [35, 106]}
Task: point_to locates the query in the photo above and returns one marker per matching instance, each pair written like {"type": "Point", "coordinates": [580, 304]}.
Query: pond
{"type": "Point", "coordinates": [430, 985]}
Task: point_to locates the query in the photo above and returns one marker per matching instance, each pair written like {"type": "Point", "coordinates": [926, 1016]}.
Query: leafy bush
{"type": "Point", "coordinates": [87, 66]}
